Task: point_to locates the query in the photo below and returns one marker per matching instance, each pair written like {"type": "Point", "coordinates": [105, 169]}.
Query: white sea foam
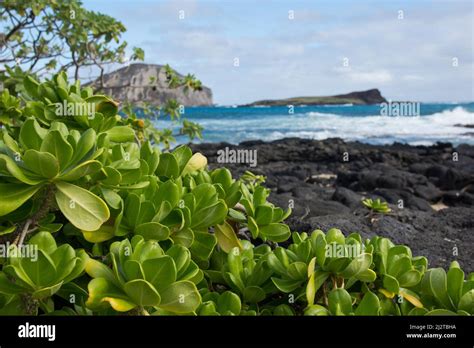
{"type": "Point", "coordinates": [415, 130]}
{"type": "Point", "coordinates": [441, 126]}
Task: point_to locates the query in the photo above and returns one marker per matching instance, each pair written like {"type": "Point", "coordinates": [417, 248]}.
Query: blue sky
{"type": "Point", "coordinates": [407, 59]}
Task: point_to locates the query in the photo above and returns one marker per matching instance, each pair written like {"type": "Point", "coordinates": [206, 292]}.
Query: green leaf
{"type": "Point", "coordinates": [229, 302]}
{"type": "Point", "coordinates": [47, 291]}
{"type": "Point", "coordinates": [443, 312]}
{"type": "Point", "coordinates": [12, 196]}
{"type": "Point", "coordinates": [320, 250]}
{"type": "Point", "coordinates": [84, 145]}
{"type": "Point", "coordinates": [370, 305]}
{"type": "Point", "coordinates": [113, 176]}
{"type": "Point", "coordinates": [42, 163]}
{"type": "Point", "coordinates": [167, 192]}
{"type": "Point", "coordinates": [8, 164]}
{"type": "Point", "coordinates": [455, 282]}
{"type": "Point", "coordinates": [183, 237]}
{"type": "Point", "coordinates": [226, 237]}
{"type": "Point", "coordinates": [316, 310]}
{"type": "Point", "coordinates": [112, 198]}
{"type": "Point", "coordinates": [121, 134]}
{"type": "Point", "coordinates": [410, 278]}
{"type": "Point", "coordinates": [335, 235]}
{"type": "Point", "coordinates": [133, 270]}
{"type": "Point", "coordinates": [359, 264]}
{"type": "Point", "coordinates": [161, 271]}
{"type": "Point", "coordinates": [339, 302]}
{"type": "Point", "coordinates": [399, 265]}
{"type": "Point", "coordinates": [234, 262]}
{"type": "Point", "coordinates": [367, 276]}
{"type": "Point", "coordinates": [182, 154]}
{"type": "Point", "coordinates": [55, 144]}
{"type": "Point", "coordinates": [391, 284]}
{"type": "Point", "coordinates": [181, 257]}
{"type": "Point", "coordinates": [209, 216]}
{"type": "Point", "coordinates": [466, 303]}
{"type": "Point", "coordinates": [286, 285]}
{"type": "Point", "coordinates": [153, 230]}
{"type": "Point", "coordinates": [31, 87]}
{"type": "Point", "coordinates": [42, 271]}
{"type": "Point", "coordinates": [11, 143]}
{"type": "Point", "coordinates": [168, 166]}
{"type": "Point", "coordinates": [263, 215]}
{"type": "Point", "coordinates": [316, 280]}
{"type": "Point", "coordinates": [180, 297]}
{"type": "Point", "coordinates": [105, 232]}
{"type": "Point", "coordinates": [222, 176]}
{"type": "Point", "coordinates": [276, 264]}
{"type": "Point", "coordinates": [8, 287]}
{"type": "Point", "coordinates": [106, 107]}
{"type": "Point", "coordinates": [142, 293]}
{"type": "Point", "coordinates": [83, 169]}
{"type": "Point", "coordinates": [208, 309]}
{"type": "Point", "coordinates": [83, 209]}
{"type": "Point", "coordinates": [283, 310]}
{"type": "Point", "coordinates": [64, 259]}
{"type": "Point", "coordinates": [101, 290]}
{"type": "Point", "coordinates": [253, 294]}
{"type": "Point", "coordinates": [96, 269]}
{"type": "Point", "coordinates": [418, 311]}
{"type": "Point", "coordinates": [275, 232]}
{"type": "Point", "coordinates": [436, 284]}
{"type": "Point", "coordinates": [44, 241]}
{"type": "Point", "coordinates": [31, 134]}
{"type": "Point", "coordinates": [336, 265]}
{"type": "Point", "coordinates": [298, 270]}
{"type": "Point", "coordinates": [253, 227]}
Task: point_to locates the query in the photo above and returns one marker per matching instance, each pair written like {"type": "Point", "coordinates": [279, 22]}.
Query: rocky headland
{"type": "Point", "coordinates": [429, 188]}
{"type": "Point", "coordinates": [138, 83]}
{"type": "Point", "coordinates": [371, 96]}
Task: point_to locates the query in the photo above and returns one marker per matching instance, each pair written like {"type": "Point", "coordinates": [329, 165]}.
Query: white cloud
{"type": "Point", "coordinates": [282, 58]}
{"type": "Point", "coordinates": [376, 77]}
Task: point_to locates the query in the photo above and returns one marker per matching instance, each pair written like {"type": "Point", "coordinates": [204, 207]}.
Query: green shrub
{"type": "Point", "coordinates": [121, 226]}
{"type": "Point", "coordinates": [376, 206]}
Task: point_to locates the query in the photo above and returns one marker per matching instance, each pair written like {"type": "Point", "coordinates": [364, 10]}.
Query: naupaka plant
{"type": "Point", "coordinates": [52, 161]}
{"type": "Point", "coordinates": [123, 226]}
{"type": "Point", "coordinates": [33, 280]}
{"type": "Point", "coordinates": [146, 278]}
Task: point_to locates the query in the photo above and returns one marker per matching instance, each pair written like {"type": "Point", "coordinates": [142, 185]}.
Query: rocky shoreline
{"type": "Point", "coordinates": [430, 190]}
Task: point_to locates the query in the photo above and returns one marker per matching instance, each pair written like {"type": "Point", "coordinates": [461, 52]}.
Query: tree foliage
{"type": "Point", "coordinates": [51, 35]}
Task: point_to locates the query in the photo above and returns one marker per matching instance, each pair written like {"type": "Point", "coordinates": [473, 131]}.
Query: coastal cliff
{"type": "Point", "coordinates": [371, 96]}
{"type": "Point", "coordinates": [139, 83]}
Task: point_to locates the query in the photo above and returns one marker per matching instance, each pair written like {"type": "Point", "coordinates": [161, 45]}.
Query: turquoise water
{"type": "Point", "coordinates": [437, 122]}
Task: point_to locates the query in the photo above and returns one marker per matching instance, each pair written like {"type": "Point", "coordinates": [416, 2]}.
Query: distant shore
{"type": "Point", "coordinates": [429, 188]}
{"type": "Point", "coordinates": [371, 96]}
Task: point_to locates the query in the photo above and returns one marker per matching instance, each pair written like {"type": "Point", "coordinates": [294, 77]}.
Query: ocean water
{"type": "Point", "coordinates": [436, 122]}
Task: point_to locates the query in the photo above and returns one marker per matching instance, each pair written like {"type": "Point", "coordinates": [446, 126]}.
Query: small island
{"type": "Point", "coordinates": [371, 96]}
